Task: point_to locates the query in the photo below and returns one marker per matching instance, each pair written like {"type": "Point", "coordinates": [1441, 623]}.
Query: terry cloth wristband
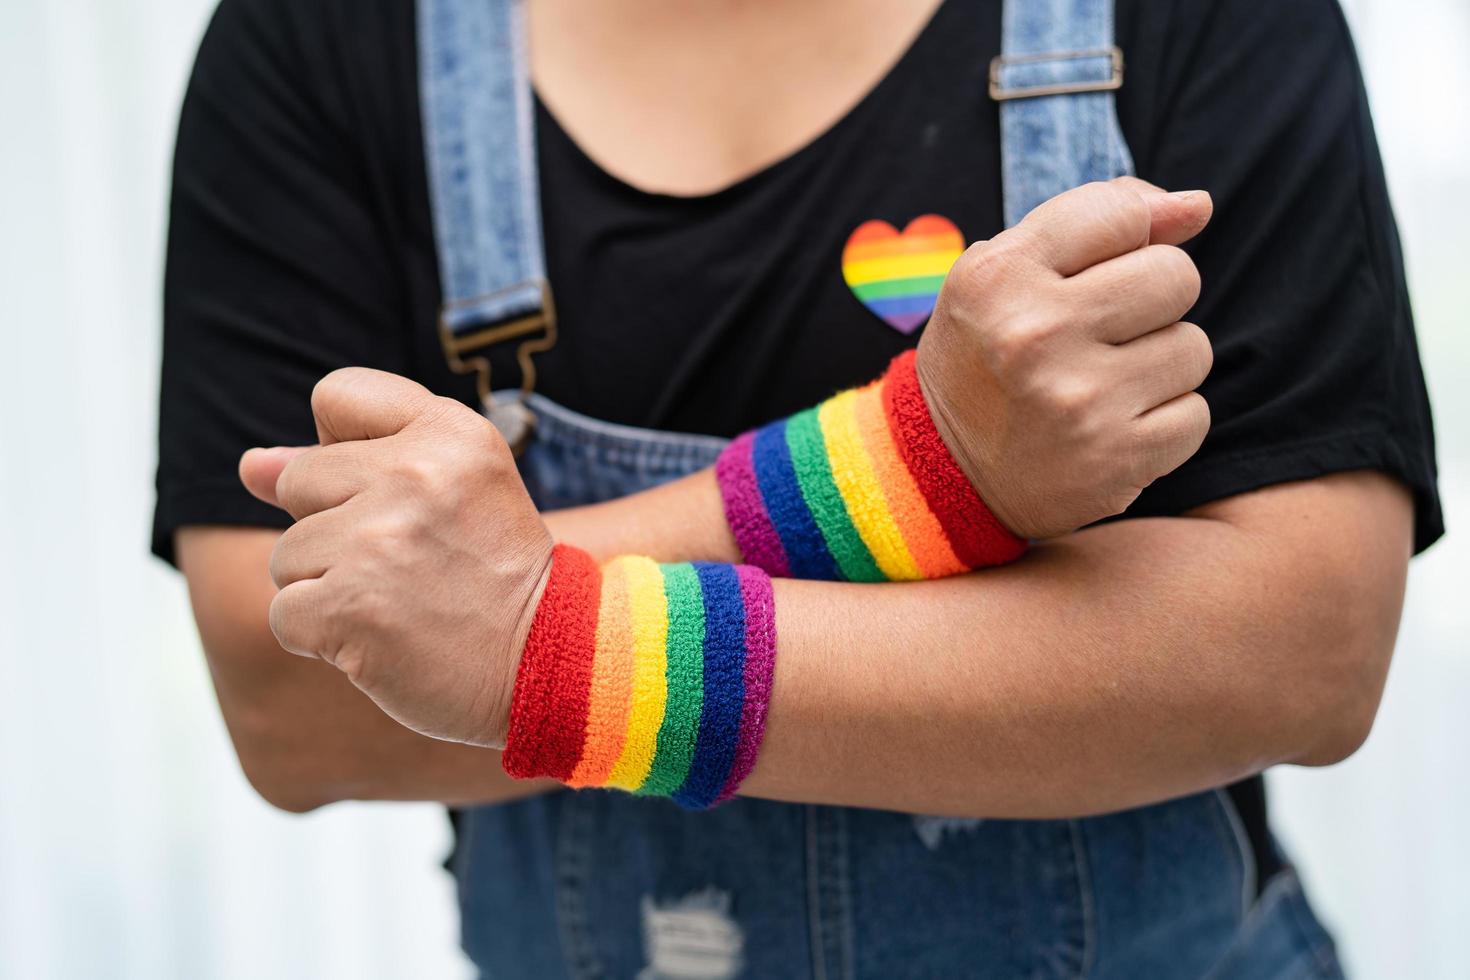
{"type": "Point", "coordinates": [645, 677]}
{"type": "Point", "coordinates": [860, 488]}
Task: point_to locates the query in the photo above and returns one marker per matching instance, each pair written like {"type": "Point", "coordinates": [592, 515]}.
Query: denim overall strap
{"type": "Point", "coordinates": [480, 152]}
{"type": "Point", "coordinates": [481, 156]}
{"type": "Point", "coordinates": [1054, 81]}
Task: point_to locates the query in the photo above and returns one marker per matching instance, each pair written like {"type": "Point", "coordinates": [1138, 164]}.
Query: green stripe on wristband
{"type": "Point", "coordinates": [824, 500]}
{"type": "Point", "coordinates": [679, 731]}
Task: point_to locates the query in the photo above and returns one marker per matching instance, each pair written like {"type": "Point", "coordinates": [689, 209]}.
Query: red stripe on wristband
{"type": "Point", "coordinates": [548, 716]}
{"type": "Point", "coordinates": [977, 537]}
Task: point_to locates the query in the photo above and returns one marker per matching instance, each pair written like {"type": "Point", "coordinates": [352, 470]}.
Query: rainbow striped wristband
{"type": "Point", "coordinates": [645, 677]}
{"type": "Point", "coordinates": [860, 488]}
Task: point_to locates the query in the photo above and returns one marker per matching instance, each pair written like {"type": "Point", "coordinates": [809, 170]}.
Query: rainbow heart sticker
{"type": "Point", "coordinates": [897, 275]}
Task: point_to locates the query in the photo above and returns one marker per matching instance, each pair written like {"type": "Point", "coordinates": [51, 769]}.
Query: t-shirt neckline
{"type": "Point", "coordinates": [854, 115]}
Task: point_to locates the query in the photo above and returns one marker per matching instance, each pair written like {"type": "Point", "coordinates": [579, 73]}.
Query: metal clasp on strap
{"type": "Point", "coordinates": [1002, 93]}
{"type": "Point", "coordinates": [469, 354]}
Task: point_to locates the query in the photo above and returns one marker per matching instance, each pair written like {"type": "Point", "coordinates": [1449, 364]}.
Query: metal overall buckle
{"type": "Point", "coordinates": [469, 354]}
{"type": "Point", "coordinates": [1001, 93]}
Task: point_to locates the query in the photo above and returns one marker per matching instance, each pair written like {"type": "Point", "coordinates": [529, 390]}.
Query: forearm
{"type": "Point", "coordinates": [679, 521]}
{"type": "Point", "coordinates": [1122, 665]}
{"type": "Point", "coordinates": [304, 735]}
{"type": "Point", "coordinates": [1126, 664]}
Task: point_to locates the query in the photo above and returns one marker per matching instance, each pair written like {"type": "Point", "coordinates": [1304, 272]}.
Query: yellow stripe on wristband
{"type": "Point", "coordinates": [649, 617]}
{"type": "Point", "coordinates": [862, 491]}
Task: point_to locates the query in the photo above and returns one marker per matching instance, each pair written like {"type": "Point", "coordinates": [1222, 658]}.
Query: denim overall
{"type": "Point", "coordinates": [603, 884]}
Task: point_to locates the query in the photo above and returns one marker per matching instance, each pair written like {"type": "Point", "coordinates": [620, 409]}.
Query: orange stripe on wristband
{"type": "Point", "coordinates": [977, 537]}
{"type": "Point", "coordinates": [612, 682]}
{"type": "Point", "coordinates": [920, 528]}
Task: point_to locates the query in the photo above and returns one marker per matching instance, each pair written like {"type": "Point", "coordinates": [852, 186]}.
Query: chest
{"type": "Point", "coordinates": [687, 98]}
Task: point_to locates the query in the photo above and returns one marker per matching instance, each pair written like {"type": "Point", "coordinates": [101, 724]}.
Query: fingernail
{"type": "Point", "coordinates": [1185, 195]}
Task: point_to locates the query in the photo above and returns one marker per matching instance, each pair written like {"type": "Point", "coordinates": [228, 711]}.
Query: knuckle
{"type": "Point", "coordinates": [1199, 353]}
{"type": "Point", "coordinates": [1199, 421]}
{"type": "Point", "coordinates": [289, 485]}
{"type": "Point", "coordinates": [392, 532]}
{"type": "Point", "coordinates": [328, 394]}
{"type": "Point", "coordinates": [1166, 281]}
{"type": "Point", "coordinates": [282, 621]}
{"type": "Point", "coordinates": [448, 412]}
{"type": "Point", "coordinates": [1072, 397]}
{"type": "Point", "coordinates": [985, 265]}
{"type": "Point", "coordinates": [1123, 210]}
{"type": "Point", "coordinates": [1014, 344]}
{"type": "Point", "coordinates": [351, 661]}
{"type": "Point", "coordinates": [1136, 184]}
{"type": "Point", "coordinates": [358, 607]}
{"type": "Point", "coordinates": [1178, 272]}
{"type": "Point", "coordinates": [423, 474]}
{"type": "Point", "coordinates": [476, 434]}
{"type": "Point", "coordinates": [278, 563]}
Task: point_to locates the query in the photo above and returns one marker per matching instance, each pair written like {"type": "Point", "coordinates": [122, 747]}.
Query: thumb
{"type": "Point", "coordinates": [360, 403]}
{"type": "Point", "coordinates": [261, 468]}
{"type": "Point", "coordinates": [1177, 216]}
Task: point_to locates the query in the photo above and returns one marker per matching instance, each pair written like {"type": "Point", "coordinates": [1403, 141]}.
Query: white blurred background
{"type": "Point", "coordinates": [130, 845]}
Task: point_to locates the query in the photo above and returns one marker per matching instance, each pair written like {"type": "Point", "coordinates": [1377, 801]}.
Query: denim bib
{"type": "Point", "coordinates": [599, 884]}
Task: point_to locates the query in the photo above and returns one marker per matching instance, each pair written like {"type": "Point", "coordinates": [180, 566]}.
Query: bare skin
{"type": "Point", "coordinates": [417, 556]}
{"type": "Point", "coordinates": [304, 735]}
{"type": "Point", "coordinates": [722, 87]}
{"type": "Point", "coordinates": [1255, 631]}
{"type": "Point", "coordinates": [1042, 689]}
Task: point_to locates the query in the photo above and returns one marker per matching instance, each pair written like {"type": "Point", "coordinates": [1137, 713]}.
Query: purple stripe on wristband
{"type": "Point", "coordinates": [760, 666]}
{"type": "Point", "coordinates": [745, 510]}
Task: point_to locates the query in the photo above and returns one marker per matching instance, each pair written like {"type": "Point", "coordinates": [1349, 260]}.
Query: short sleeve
{"type": "Point", "coordinates": [1304, 296]}
{"type": "Point", "coordinates": [277, 266]}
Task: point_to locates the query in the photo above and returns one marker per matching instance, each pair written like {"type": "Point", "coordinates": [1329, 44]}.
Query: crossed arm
{"type": "Point", "coordinates": [1123, 664]}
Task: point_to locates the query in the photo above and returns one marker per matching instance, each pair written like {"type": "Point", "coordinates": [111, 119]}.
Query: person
{"type": "Point", "coordinates": [1024, 784]}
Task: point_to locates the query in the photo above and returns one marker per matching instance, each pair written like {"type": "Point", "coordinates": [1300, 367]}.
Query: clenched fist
{"type": "Point", "coordinates": [417, 558]}
{"type": "Point", "coordinates": [1056, 365]}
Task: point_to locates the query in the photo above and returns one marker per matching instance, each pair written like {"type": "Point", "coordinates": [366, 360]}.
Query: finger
{"type": "Point", "coordinates": [325, 477]}
{"type": "Point", "coordinates": [1084, 226]}
{"type": "Point", "coordinates": [1176, 217]}
{"type": "Point", "coordinates": [1136, 293]}
{"type": "Point", "coordinates": [360, 403]}
{"type": "Point", "coordinates": [1160, 366]}
{"type": "Point", "coordinates": [296, 618]}
{"type": "Point", "coordinates": [1096, 222]}
{"type": "Point", "coordinates": [307, 549]}
{"type": "Point", "coordinates": [261, 468]}
{"type": "Point", "coordinates": [1169, 434]}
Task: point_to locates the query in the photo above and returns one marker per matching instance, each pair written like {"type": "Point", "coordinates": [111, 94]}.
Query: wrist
{"type": "Point", "coordinates": [644, 677]}
{"type": "Point", "coordinates": [982, 474]}
{"type": "Point", "coordinates": [862, 488]}
{"type": "Point", "coordinates": [501, 684]}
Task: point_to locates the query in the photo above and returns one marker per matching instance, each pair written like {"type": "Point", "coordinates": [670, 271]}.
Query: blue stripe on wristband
{"type": "Point", "coordinates": [724, 686]}
{"type": "Point", "coordinates": [806, 548]}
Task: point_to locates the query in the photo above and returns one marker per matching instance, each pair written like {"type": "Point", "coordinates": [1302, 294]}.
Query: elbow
{"type": "Point", "coordinates": [282, 792]}
{"type": "Point", "coordinates": [1338, 734]}
{"type": "Point", "coordinates": [1346, 705]}
{"type": "Point", "coordinates": [279, 761]}
{"type": "Point", "coordinates": [1306, 713]}
{"type": "Point", "coordinates": [1317, 620]}
{"type": "Point", "coordinates": [1335, 686]}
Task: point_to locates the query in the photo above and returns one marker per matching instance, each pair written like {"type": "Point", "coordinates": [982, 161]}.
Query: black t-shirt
{"type": "Point", "coordinates": [300, 241]}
